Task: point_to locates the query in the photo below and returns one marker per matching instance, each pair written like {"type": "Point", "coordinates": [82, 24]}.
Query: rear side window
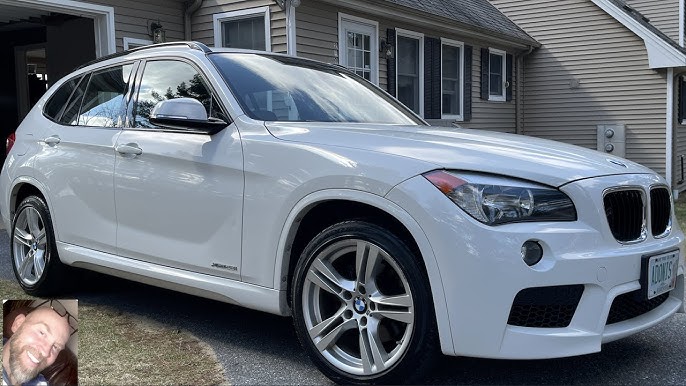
{"type": "Point", "coordinates": [58, 101]}
{"type": "Point", "coordinates": [104, 104]}
{"type": "Point", "coordinates": [169, 79]}
{"type": "Point", "coordinates": [71, 111]}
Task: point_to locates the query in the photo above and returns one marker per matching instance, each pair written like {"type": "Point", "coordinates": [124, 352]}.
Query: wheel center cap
{"type": "Point", "coordinates": [360, 305]}
{"type": "Point", "coordinates": [34, 246]}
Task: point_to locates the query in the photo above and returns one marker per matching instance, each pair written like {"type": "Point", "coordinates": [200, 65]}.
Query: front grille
{"type": "Point", "coordinates": [625, 214]}
{"type": "Point", "coordinates": [660, 210]}
{"type": "Point", "coordinates": [545, 307]}
{"type": "Point", "coordinates": [628, 306]}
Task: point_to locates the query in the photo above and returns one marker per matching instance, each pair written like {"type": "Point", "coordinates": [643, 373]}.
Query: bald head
{"type": "Point", "coordinates": [36, 340]}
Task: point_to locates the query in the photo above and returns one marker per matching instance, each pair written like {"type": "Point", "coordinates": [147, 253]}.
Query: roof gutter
{"type": "Point", "coordinates": [438, 23]}
{"type": "Point", "coordinates": [191, 7]}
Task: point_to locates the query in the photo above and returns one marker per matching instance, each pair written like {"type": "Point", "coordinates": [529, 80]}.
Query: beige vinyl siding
{"type": "Point", "coordinates": [663, 14]}
{"type": "Point", "coordinates": [131, 18]}
{"type": "Point", "coordinates": [203, 27]}
{"type": "Point", "coordinates": [581, 43]}
{"type": "Point", "coordinates": [317, 38]}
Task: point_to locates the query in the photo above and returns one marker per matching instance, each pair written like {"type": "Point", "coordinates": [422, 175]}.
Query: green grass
{"type": "Point", "coordinates": [116, 348]}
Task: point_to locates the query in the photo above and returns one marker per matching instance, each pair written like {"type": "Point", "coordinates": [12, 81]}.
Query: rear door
{"type": "Point", "coordinates": [76, 163]}
{"type": "Point", "coordinates": [178, 194]}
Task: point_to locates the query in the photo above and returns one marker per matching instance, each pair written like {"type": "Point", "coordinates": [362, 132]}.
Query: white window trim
{"type": "Point", "coordinates": [218, 18]}
{"type": "Point", "coordinates": [342, 53]}
{"type": "Point", "coordinates": [138, 42]}
{"type": "Point", "coordinates": [419, 36]}
{"type": "Point", "coordinates": [498, 98]}
{"type": "Point", "coordinates": [454, 43]}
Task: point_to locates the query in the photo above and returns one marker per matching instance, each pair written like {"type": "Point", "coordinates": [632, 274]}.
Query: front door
{"type": "Point", "coordinates": [179, 195]}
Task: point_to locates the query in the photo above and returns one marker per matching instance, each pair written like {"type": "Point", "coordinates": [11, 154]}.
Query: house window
{"type": "Point", "coordinates": [130, 43]}
{"type": "Point", "coordinates": [358, 46]}
{"type": "Point", "coordinates": [496, 72]}
{"type": "Point", "coordinates": [248, 29]}
{"type": "Point", "coordinates": [410, 74]}
{"type": "Point", "coordinates": [452, 65]}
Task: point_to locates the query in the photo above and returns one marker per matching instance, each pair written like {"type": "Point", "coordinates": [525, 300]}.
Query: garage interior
{"type": "Point", "coordinates": [37, 48]}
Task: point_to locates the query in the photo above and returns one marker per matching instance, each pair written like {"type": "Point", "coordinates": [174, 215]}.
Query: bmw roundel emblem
{"type": "Point", "coordinates": [360, 305]}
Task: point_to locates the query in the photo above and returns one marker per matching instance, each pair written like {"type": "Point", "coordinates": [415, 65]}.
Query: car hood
{"type": "Point", "coordinates": [549, 162]}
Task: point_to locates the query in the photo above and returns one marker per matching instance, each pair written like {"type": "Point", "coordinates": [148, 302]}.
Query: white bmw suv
{"type": "Point", "coordinates": [297, 188]}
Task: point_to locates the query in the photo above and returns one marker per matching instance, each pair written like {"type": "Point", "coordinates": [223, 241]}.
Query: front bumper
{"type": "Point", "coordinates": [481, 271]}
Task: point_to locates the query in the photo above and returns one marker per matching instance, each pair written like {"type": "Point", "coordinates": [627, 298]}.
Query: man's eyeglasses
{"type": "Point", "coordinates": [58, 307]}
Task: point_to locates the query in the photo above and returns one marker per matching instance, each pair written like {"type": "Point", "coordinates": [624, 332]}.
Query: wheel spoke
{"type": "Point", "coordinates": [372, 351]}
{"type": "Point", "coordinates": [320, 279]}
{"type": "Point", "coordinates": [367, 260]}
{"type": "Point", "coordinates": [329, 324]}
{"type": "Point", "coordinates": [34, 221]}
{"type": "Point", "coordinates": [397, 307]}
{"type": "Point", "coordinates": [332, 337]}
{"type": "Point", "coordinates": [393, 301]}
{"type": "Point", "coordinates": [26, 265]}
{"type": "Point", "coordinates": [40, 237]}
{"type": "Point", "coordinates": [23, 237]}
{"type": "Point", "coordinates": [38, 265]}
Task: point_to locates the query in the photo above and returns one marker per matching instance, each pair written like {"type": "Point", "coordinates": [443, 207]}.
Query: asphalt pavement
{"type": "Point", "coordinates": [259, 348]}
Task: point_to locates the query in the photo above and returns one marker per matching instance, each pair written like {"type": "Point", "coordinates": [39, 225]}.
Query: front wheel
{"type": "Point", "coordinates": [34, 253]}
{"type": "Point", "coordinates": [362, 306]}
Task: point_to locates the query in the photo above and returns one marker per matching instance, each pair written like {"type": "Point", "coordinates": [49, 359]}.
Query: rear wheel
{"type": "Point", "coordinates": [362, 306]}
{"type": "Point", "coordinates": [34, 254]}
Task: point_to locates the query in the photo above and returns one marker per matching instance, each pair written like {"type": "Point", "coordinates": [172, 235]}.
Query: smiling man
{"type": "Point", "coordinates": [37, 339]}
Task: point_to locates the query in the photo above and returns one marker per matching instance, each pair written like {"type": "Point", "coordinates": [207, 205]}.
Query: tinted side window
{"type": "Point", "coordinates": [104, 104]}
{"type": "Point", "coordinates": [169, 79]}
{"type": "Point", "coordinates": [58, 100]}
{"type": "Point", "coordinates": [71, 111]}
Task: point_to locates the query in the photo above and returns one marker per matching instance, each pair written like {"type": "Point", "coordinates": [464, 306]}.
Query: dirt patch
{"type": "Point", "coordinates": [116, 348]}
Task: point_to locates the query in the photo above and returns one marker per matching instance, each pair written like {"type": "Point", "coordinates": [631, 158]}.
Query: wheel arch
{"type": "Point", "coordinates": [22, 188]}
{"type": "Point", "coordinates": [321, 209]}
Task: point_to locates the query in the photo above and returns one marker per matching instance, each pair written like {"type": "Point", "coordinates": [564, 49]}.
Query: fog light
{"type": "Point", "coordinates": [532, 252]}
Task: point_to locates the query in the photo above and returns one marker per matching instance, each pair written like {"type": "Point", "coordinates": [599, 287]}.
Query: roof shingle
{"type": "Point", "coordinates": [480, 14]}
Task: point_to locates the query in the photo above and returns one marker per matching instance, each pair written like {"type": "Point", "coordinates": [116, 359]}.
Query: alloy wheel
{"type": "Point", "coordinates": [29, 245]}
{"type": "Point", "coordinates": [357, 307]}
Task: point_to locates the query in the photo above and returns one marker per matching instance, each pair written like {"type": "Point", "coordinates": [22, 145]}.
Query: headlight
{"type": "Point", "coordinates": [496, 200]}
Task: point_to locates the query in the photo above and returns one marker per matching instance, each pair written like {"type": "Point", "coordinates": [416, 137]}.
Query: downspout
{"type": "Point", "coordinates": [682, 14]}
{"type": "Point", "coordinates": [669, 162]}
{"type": "Point", "coordinates": [289, 7]}
{"type": "Point", "coordinates": [191, 7]}
{"type": "Point", "coordinates": [519, 119]}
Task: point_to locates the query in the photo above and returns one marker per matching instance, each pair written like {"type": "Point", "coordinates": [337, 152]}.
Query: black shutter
{"type": "Point", "coordinates": [681, 115]}
{"type": "Point", "coordinates": [485, 58]}
{"type": "Point", "coordinates": [432, 78]}
{"type": "Point", "coordinates": [509, 77]}
{"type": "Point", "coordinates": [390, 63]}
{"type": "Point", "coordinates": [467, 114]}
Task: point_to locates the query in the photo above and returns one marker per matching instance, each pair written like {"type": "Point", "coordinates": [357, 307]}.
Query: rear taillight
{"type": "Point", "coordinates": [9, 143]}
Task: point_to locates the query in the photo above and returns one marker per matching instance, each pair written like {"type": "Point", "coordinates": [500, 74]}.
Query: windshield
{"type": "Point", "coordinates": [277, 88]}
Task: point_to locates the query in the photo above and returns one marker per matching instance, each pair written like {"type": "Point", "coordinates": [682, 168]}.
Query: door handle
{"type": "Point", "coordinates": [129, 149]}
{"type": "Point", "coordinates": [52, 140]}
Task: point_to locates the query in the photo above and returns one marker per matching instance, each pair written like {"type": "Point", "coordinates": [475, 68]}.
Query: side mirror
{"type": "Point", "coordinates": [186, 114]}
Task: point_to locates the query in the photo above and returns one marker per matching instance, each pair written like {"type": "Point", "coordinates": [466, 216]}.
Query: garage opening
{"type": "Point", "coordinates": [37, 48]}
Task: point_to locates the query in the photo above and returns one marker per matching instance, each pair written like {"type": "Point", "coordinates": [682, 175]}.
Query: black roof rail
{"type": "Point", "coordinates": [193, 45]}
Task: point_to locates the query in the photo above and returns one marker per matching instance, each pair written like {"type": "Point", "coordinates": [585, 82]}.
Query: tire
{"type": "Point", "coordinates": [367, 325]}
{"type": "Point", "coordinates": [35, 262]}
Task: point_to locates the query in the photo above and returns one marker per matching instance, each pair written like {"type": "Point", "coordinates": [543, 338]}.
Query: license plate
{"type": "Point", "coordinates": [659, 273]}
